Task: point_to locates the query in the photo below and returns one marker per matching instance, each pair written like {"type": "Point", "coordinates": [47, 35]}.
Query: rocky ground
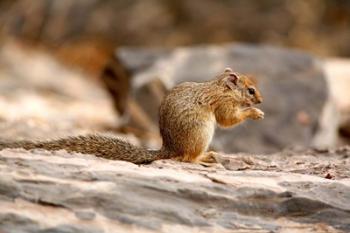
{"type": "Point", "coordinates": [293, 190]}
{"type": "Point", "coordinates": [60, 192]}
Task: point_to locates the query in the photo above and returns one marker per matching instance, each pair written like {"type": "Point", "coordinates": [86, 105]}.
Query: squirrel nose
{"type": "Point", "coordinates": [259, 100]}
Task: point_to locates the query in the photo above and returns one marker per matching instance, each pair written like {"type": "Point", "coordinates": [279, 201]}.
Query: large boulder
{"type": "Point", "coordinates": [297, 104]}
{"type": "Point", "coordinates": [61, 192]}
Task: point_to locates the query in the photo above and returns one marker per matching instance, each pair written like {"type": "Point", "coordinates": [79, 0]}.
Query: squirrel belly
{"type": "Point", "coordinates": [98, 145]}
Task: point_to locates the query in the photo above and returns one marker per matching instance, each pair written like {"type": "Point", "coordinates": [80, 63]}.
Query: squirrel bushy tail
{"type": "Point", "coordinates": [101, 146]}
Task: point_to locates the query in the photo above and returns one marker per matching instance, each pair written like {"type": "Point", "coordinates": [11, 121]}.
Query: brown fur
{"type": "Point", "coordinates": [188, 116]}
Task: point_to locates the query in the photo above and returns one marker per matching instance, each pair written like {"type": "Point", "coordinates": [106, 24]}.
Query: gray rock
{"type": "Point", "coordinates": [296, 94]}
{"type": "Point", "coordinates": [61, 192]}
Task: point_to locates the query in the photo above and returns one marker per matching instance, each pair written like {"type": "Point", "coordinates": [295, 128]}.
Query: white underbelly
{"type": "Point", "coordinates": [209, 131]}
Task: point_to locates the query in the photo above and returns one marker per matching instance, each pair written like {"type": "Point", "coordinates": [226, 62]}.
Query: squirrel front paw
{"type": "Point", "coordinates": [256, 114]}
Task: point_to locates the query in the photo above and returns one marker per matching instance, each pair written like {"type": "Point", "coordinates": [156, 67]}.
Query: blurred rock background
{"type": "Point", "coordinates": [79, 28]}
{"type": "Point", "coordinates": [84, 37]}
{"type": "Point", "coordinates": [70, 67]}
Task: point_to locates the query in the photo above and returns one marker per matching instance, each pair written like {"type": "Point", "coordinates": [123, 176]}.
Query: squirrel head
{"type": "Point", "coordinates": [242, 88]}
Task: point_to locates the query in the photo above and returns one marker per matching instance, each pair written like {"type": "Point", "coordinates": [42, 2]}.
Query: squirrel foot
{"type": "Point", "coordinates": [208, 159]}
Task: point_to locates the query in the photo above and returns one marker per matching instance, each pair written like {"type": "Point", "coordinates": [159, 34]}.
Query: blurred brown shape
{"type": "Point", "coordinates": [90, 54]}
{"type": "Point", "coordinates": [116, 80]}
{"type": "Point", "coordinates": [344, 129]}
{"type": "Point", "coordinates": [318, 26]}
{"type": "Point", "coordinates": [303, 118]}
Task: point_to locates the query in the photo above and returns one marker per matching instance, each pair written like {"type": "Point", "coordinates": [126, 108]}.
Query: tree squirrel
{"type": "Point", "coordinates": [188, 116]}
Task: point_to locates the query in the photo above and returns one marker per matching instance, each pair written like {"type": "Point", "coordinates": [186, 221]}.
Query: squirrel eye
{"type": "Point", "coordinates": [251, 91]}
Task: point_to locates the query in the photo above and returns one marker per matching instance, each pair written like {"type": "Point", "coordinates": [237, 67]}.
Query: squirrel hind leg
{"type": "Point", "coordinates": [187, 158]}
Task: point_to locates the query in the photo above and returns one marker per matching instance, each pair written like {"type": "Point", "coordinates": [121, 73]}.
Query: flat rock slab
{"type": "Point", "coordinates": [61, 192]}
{"type": "Point", "coordinates": [293, 84]}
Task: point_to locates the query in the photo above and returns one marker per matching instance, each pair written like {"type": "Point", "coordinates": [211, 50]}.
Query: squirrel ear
{"type": "Point", "coordinates": [228, 70]}
{"type": "Point", "coordinates": [232, 80]}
